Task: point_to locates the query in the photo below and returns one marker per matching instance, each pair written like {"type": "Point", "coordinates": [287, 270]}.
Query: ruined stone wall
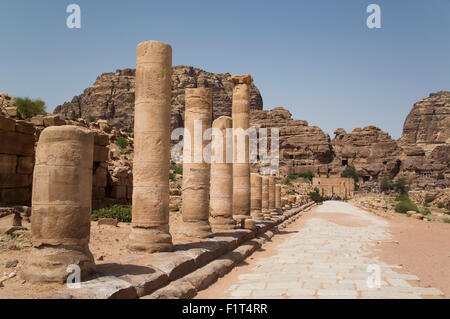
{"type": "Point", "coordinates": [334, 186]}
{"type": "Point", "coordinates": [112, 177]}
{"type": "Point", "coordinates": [16, 161]}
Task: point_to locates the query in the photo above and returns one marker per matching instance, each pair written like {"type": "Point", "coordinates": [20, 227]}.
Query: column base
{"type": "Point", "coordinates": [257, 215]}
{"type": "Point", "coordinates": [151, 240]}
{"type": "Point", "coordinates": [197, 230]}
{"type": "Point", "coordinates": [49, 264]}
{"type": "Point", "coordinates": [222, 223]}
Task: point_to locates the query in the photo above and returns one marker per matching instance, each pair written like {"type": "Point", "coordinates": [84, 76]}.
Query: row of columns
{"type": "Point", "coordinates": [216, 196]}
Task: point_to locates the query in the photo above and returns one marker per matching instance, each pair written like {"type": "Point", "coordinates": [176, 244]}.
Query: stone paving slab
{"type": "Point", "coordinates": [328, 260]}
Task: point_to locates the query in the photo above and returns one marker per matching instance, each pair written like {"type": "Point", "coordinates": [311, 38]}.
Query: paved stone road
{"type": "Point", "coordinates": [328, 260]}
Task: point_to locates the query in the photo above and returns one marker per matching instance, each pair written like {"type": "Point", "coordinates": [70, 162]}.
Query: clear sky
{"type": "Point", "coordinates": [317, 57]}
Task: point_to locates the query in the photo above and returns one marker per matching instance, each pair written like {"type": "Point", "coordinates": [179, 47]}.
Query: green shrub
{"type": "Point", "coordinates": [178, 169]}
{"type": "Point", "coordinates": [440, 205]}
{"type": "Point", "coordinates": [402, 197]}
{"type": "Point", "coordinates": [405, 204]}
{"type": "Point", "coordinates": [425, 211]}
{"type": "Point", "coordinates": [386, 184]}
{"type": "Point", "coordinates": [430, 198]}
{"type": "Point", "coordinates": [401, 185]}
{"type": "Point", "coordinates": [350, 172]}
{"type": "Point", "coordinates": [171, 176]}
{"type": "Point", "coordinates": [121, 213]}
{"type": "Point", "coordinates": [446, 220]}
{"type": "Point", "coordinates": [122, 144]}
{"type": "Point", "coordinates": [316, 197]}
{"type": "Point", "coordinates": [287, 181]}
{"type": "Point", "coordinates": [92, 119]}
{"type": "Point", "coordinates": [29, 108]}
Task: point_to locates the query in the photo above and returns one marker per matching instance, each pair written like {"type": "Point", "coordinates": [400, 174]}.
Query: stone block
{"type": "Point", "coordinates": [108, 287]}
{"type": "Point", "coordinates": [8, 164]}
{"type": "Point", "coordinates": [16, 143]}
{"type": "Point", "coordinates": [118, 192]}
{"type": "Point", "coordinates": [174, 264]}
{"type": "Point", "coordinates": [7, 124]}
{"type": "Point", "coordinates": [38, 120]}
{"type": "Point", "coordinates": [25, 165]}
{"type": "Point", "coordinates": [25, 127]}
{"type": "Point", "coordinates": [53, 120]}
{"type": "Point", "coordinates": [101, 153]}
{"type": "Point", "coordinates": [14, 180]}
{"type": "Point", "coordinates": [101, 139]}
{"type": "Point", "coordinates": [15, 195]}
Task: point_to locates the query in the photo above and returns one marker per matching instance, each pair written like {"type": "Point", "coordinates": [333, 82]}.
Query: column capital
{"type": "Point", "coordinates": [241, 79]}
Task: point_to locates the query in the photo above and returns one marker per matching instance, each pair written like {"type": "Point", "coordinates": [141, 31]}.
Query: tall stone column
{"type": "Point", "coordinates": [256, 196]}
{"type": "Point", "coordinates": [196, 170]}
{"type": "Point", "coordinates": [221, 196]}
{"type": "Point", "coordinates": [241, 165]}
{"type": "Point", "coordinates": [265, 197]}
{"type": "Point", "coordinates": [272, 208]}
{"type": "Point", "coordinates": [150, 227]}
{"type": "Point", "coordinates": [278, 199]}
{"type": "Point", "coordinates": [61, 205]}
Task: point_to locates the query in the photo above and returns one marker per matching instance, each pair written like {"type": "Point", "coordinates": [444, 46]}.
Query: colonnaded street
{"type": "Point", "coordinates": [329, 252]}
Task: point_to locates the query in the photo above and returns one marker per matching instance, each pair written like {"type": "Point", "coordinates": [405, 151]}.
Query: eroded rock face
{"type": "Point", "coordinates": [302, 147]}
{"type": "Point", "coordinates": [425, 143]}
{"type": "Point", "coordinates": [370, 150]}
{"type": "Point", "coordinates": [428, 123]}
{"type": "Point", "coordinates": [112, 96]}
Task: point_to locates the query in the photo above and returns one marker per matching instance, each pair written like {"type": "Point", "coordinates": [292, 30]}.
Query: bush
{"type": "Point", "coordinates": [405, 204]}
{"type": "Point", "coordinates": [430, 198]}
{"type": "Point", "coordinates": [287, 181]}
{"type": "Point", "coordinates": [446, 220]}
{"type": "Point", "coordinates": [121, 213]}
{"type": "Point", "coordinates": [425, 211]}
{"type": "Point", "coordinates": [386, 184]}
{"type": "Point", "coordinates": [350, 172]}
{"type": "Point", "coordinates": [29, 108]}
{"type": "Point", "coordinates": [122, 144]}
{"type": "Point", "coordinates": [400, 185]}
{"type": "Point", "coordinates": [178, 169]}
{"type": "Point", "coordinates": [315, 196]}
{"type": "Point", "coordinates": [172, 176]}
{"type": "Point", "coordinates": [92, 119]}
{"type": "Point", "coordinates": [440, 205]}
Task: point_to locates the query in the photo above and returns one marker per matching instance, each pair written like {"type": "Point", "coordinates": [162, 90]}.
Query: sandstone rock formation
{"type": "Point", "coordinates": [302, 147]}
{"type": "Point", "coordinates": [428, 123]}
{"type": "Point", "coordinates": [112, 96]}
{"type": "Point", "coordinates": [370, 150]}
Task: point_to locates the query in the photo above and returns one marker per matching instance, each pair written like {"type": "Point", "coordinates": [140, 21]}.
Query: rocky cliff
{"type": "Point", "coordinates": [428, 123]}
{"type": "Point", "coordinates": [112, 96]}
{"type": "Point", "coordinates": [302, 147]}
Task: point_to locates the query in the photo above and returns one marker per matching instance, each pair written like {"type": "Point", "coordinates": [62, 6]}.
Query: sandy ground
{"type": "Point", "coordinates": [421, 247]}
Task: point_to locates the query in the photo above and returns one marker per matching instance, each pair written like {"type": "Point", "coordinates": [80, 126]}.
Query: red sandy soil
{"type": "Point", "coordinates": [423, 249]}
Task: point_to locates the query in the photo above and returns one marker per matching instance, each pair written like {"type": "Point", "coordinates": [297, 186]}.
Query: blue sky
{"type": "Point", "coordinates": [316, 58]}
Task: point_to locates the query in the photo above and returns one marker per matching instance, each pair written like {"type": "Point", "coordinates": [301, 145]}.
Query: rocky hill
{"type": "Point", "coordinates": [421, 155]}
{"type": "Point", "coordinates": [111, 97]}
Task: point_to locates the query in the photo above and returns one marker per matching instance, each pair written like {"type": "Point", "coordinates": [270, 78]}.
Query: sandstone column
{"type": "Point", "coordinates": [256, 196]}
{"type": "Point", "coordinates": [196, 171]}
{"type": "Point", "coordinates": [221, 197]}
{"type": "Point", "coordinates": [61, 205]}
{"type": "Point", "coordinates": [150, 227]}
{"type": "Point", "coordinates": [272, 209]}
{"type": "Point", "coordinates": [265, 197]}
{"type": "Point", "coordinates": [241, 165]}
{"type": "Point", "coordinates": [278, 199]}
